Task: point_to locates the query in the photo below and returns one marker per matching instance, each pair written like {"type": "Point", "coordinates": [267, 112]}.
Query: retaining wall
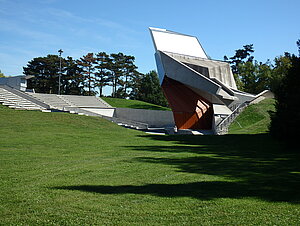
{"type": "Point", "coordinates": [154, 118]}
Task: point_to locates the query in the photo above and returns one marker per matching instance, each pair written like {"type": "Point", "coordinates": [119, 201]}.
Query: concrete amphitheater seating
{"type": "Point", "coordinates": [63, 101]}
{"type": "Point", "coordinates": [85, 101]}
{"type": "Point", "coordinates": [17, 102]}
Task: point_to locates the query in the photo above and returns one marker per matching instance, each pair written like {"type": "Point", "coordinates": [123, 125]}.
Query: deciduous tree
{"type": "Point", "coordinates": [45, 71]}
{"type": "Point", "coordinates": [149, 90]}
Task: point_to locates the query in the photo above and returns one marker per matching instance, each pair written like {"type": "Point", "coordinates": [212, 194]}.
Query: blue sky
{"type": "Point", "coordinates": [33, 28]}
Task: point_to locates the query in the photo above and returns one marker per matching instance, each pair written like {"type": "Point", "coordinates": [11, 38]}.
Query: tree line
{"type": "Point", "coordinates": [254, 77]}
{"type": "Point", "coordinates": [282, 76]}
{"type": "Point", "coordinates": [89, 74]}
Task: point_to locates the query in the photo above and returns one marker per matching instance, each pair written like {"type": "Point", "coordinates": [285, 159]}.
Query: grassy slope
{"type": "Point", "coordinates": [254, 119]}
{"type": "Point", "coordinates": [123, 103]}
{"type": "Point", "coordinates": [64, 169]}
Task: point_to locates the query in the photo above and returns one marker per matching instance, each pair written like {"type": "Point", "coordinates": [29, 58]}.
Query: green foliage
{"type": "Point", "coordinates": [103, 73]}
{"type": "Point", "coordinates": [83, 76]}
{"type": "Point", "coordinates": [1, 75]}
{"type": "Point", "coordinates": [280, 70]}
{"type": "Point", "coordinates": [123, 74]}
{"type": "Point", "coordinates": [250, 76]}
{"type": "Point", "coordinates": [65, 169]}
{"type": "Point", "coordinates": [86, 63]}
{"type": "Point", "coordinates": [286, 120]}
{"type": "Point", "coordinates": [137, 104]}
{"type": "Point", "coordinates": [240, 56]}
{"type": "Point", "coordinates": [254, 119]}
{"type": "Point", "coordinates": [149, 90]}
{"type": "Point", "coordinates": [255, 76]}
{"type": "Point", "coordinates": [72, 79]}
{"type": "Point", "coordinates": [45, 71]}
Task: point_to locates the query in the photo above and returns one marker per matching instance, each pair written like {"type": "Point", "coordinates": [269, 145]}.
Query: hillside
{"type": "Point", "coordinates": [254, 119]}
{"type": "Point", "coordinates": [123, 103]}
{"type": "Point", "coordinates": [66, 169]}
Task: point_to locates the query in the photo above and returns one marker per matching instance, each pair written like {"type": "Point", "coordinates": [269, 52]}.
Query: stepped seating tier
{"type": "Point", "coordinates": [81, 105]}
{"type": "Point", "coordinates": [63, 101]}
{"type": "Point", "coordinates": [85, 101]}
{"type": "Point", "coordinates": [17, 102]}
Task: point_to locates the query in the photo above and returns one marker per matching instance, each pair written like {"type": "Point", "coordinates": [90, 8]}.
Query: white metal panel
{"type": "Point", "coordinates": [221, 109]}
{"type": "Point", "coordinates": [177, 43]}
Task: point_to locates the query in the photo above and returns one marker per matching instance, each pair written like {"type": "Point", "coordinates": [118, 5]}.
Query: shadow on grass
{"type": "Point", "coordinates": [254, 165]}
{"type": "Point", "coordinates": [206, 190]}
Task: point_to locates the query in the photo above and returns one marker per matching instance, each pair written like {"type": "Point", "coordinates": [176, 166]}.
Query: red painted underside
{"type": "Point", "coordinates": [190, 110]}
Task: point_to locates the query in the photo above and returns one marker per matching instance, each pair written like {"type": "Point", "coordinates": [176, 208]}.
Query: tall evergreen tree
{"type": "Point", "coordinates": [87, 64]}
{"type": "Point", "coordinates": [103, 73]}
{"type": "Point", "coordinates": [117, 67]}
{"type": "Point", "coordinates": [129, 73]}
{"type": "Point", "coordinates": [73, 82]}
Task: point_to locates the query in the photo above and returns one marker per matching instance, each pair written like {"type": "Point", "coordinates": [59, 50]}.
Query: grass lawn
{"type": "Point", "coordinates": [65, 169]}
{"type": "Point", "coordinates": [254, 119]}
{"type": "Point", "coordinates": [123, 103]}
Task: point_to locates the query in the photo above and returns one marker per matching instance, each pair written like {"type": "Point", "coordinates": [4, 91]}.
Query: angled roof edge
{"type": "Point", "coordinates": [170, 32]}
{"type": "Point", "coordinates": [162, 30]}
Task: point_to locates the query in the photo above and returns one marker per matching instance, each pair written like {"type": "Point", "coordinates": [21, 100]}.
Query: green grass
{"type": "Point", "coordinates": [254, 119]}
{"type": "Point", "coordinates": [64, 169]}
{"type": "Point", "coordinates": [123, 103]}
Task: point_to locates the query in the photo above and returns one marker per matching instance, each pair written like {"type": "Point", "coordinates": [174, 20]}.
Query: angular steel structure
{"type": "Point", "coordinates": [201, 92]}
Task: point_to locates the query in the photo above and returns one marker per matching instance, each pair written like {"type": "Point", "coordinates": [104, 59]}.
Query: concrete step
{"type": "Point", "coordinates": [45, 110]}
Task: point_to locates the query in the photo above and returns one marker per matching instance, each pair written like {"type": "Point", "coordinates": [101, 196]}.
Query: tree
{"type": "Point", "coordinates": [103, 73]}
{"type": "Point", "coordinates": [45, 71]}
{"type": "Point", "coordinates": [255, 76]}
{"type": "Point", "coordinates": [129, 73]}
{"type": "Point", "coordinates": [73, 82]}
{"type": "Point", "coordinates": [280, 70]}
{"type": "Point", "coordinates": [149, 90]}
{"type": "Point", "coordinates": [116, 67]}
{"type": "Point", "coordinates": [135, 86]}
{"type": "Point", "coordinates": [86, 63]}
{"type": "Point", "coordinates": [285, 122]}
{"type": "Point", "coordinates": [264, 76]}
{"type": "Point", "coordinates": [250, 75]}
{"type": "Point", "coordinates": [241, 56]}
{"type": "Point", "coordinates": [1, 75]}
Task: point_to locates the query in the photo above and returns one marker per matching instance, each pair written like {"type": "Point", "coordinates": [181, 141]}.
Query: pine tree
{"type": "Point", "coordinates": [73, 82]}
{"type": "Point", "coordinates": [103, 74]}
{"type": "Point", "coordinates": [87, 64]}
{"type": "Point", "coordinates": [117, 67]}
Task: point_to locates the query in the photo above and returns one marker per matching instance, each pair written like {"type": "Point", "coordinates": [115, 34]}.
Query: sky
{"type": "Point", "coordinates": [34, 28]}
